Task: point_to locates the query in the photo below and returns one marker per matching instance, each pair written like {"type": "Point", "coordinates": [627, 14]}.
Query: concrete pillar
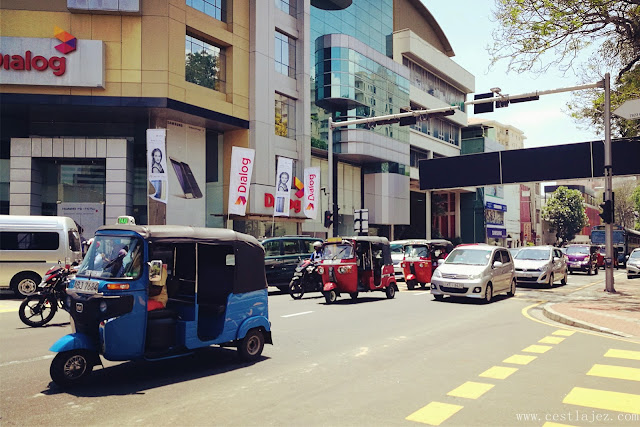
{"type": "Point", "coordinates": [458, 228]}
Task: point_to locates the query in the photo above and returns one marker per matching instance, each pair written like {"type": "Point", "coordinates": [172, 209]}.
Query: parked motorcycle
{"type": "Point", "coordinates": [305, 279]}
{"type": "Point", "coordinates": [38, 309]}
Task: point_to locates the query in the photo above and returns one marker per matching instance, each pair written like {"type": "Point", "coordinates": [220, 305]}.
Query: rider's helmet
{"type": "Point", "coordinates": [317, 245]}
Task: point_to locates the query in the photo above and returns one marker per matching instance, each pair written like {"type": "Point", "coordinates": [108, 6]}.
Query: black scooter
{"type": "Point", "coordinates": [305, 279]}
{"type": "Point", "coordinates": [38, 309]}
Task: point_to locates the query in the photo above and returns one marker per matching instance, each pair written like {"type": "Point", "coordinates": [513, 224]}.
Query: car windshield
{"type": "Point", "coordinates": [337, 251]}
{"type": "Point", "coordinates": [113, 257]}
{"type": "Point", "coordinates": [635, 255]}
{"type": "Point", "coordinates": [396, 248]}
{"type": "Point", "coordinates": [469, 257]}
{"type": "Point", "coordinates": [533, 254]}
{"type": "Point", "coordinates": [415, 251]}
{"type": "Point", "coordinates": [578, 250]}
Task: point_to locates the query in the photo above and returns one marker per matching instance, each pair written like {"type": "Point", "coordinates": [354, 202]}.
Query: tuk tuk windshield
{"type": "Point", "coordinates": [113, 257]}
{"type": "Point", "coordinates": [414, 251]}
{"type": "Point", "coordinates": [337, 251]}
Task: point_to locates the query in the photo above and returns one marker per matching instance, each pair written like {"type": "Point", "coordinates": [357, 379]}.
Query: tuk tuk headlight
{"type": "Point", "coordinates": [403, 264]}
{"type": "Point", "coordinates": [344, 269]}
{"type": "Point", "coordinates": [421, 265]}
{"type": "Point", "coordinates": [320, 270]}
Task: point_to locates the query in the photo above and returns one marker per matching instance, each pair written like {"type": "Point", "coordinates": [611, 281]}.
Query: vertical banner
{"type": "Point", "coordinates": [239, 179]}
{"type": "Point", "coordinates": [283, 187]}
{"type": "Point", "coordinates": [311, 196]}
{"type": "Point", "coordinates": [157, 164]}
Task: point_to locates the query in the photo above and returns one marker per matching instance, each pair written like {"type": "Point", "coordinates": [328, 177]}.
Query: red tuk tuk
{"type": "Point", "coordinates": [356, 264]}
{"type": "Point", "coordinates": [421, 259]}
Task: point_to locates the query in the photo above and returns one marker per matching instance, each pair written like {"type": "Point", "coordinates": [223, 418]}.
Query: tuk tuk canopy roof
{"type": "Point", "coordinates": [434, 242]}
{"type": "Point", "coordinates": [374, 240]}
{"type": "Point", "coordinates": [249, 253]}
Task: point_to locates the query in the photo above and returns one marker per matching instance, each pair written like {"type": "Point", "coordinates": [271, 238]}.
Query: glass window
{"type": "Point", "coordinates": [291, 247]}
{"type": "Point", "coordinates": [285, 55]}
{"type": "Point", "coordinates": [287, 6]}
{"type": "Point", "coordinates": [214, 8]}
{"type": "Point", "coordinates": [205, 64]}
{"type": "Point", "coordinates": [272, 248]}
{"type": "Point", "coordinates": [29, 241]}
{"type": "Point", "coordinates": [285, 116]}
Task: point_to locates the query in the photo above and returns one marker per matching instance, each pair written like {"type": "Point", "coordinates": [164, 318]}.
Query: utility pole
{"type": "Point", "coordinates": [608, 184]}
{"type": "Point", "coordinates": [378, 120]}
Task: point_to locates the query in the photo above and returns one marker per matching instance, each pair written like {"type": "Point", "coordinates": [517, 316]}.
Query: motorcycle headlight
{"type": "Point", "coordinates": [437, 274]}
{"type": "Point", "coordinates": [320, 270]}
{"type": "Point", "coordinates": [344, 269]}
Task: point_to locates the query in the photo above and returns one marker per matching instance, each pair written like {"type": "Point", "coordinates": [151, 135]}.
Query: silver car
{"type": "Point", "coordinates": [474, 271]}
{"type": "Point", "coordinates": [633, 263]}
{"type": "Point", "coordinates": [397, 255]}
{"type": "Point", "coordinates": [541, 264]}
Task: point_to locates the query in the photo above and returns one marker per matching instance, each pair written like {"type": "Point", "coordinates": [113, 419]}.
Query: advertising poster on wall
{"type": "Point", "coordinates": [239, 179]}
{"type": "Point", "coordinates": [157, 163]}
{"type": "Point", "coordinates": [283, 186]}
{"type": "Point", "coordinates": [311, 184]}
{"type": "Point", "coordinates": [186, 161]}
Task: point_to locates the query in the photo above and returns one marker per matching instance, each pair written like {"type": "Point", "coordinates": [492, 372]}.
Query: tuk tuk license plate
{"type": "Point", "coordinates": [86, 286]}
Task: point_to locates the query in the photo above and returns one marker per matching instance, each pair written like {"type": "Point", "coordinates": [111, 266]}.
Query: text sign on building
{"type": "Point", "coordinates": [41, 62]}
{"type": "Point", "coordinates": [496, 206]}
{"type": "Point", "coordinates": [494, 232]}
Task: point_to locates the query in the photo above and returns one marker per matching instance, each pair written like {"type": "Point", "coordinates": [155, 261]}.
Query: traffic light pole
{"type": "Point", "coordinates": [378, 120]}
{"type": "Point", "coordinates": [608, 187]}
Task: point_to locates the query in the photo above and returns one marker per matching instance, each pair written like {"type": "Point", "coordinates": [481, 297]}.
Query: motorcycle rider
{"type": "Point", "coordinates": [317, 251]}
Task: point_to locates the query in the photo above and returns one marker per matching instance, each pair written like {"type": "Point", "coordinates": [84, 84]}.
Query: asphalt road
{"type": "Point", "coordinates": [405, 361]}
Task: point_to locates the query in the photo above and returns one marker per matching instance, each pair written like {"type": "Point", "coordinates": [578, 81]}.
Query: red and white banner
{"type": "Point", "coordinates": [283, 186]}
{"type": "Point", "coordinates": [311, 192]}
{"type": "Point", "coordinates": [240, 178]}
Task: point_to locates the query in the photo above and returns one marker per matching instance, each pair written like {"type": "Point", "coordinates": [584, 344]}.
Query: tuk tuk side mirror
{"type": "Point", "coordinates": [230, 260]}
{"type": "Point", "coordinates": [155, 270]}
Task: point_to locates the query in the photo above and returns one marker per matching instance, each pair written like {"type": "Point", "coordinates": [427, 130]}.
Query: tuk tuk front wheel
{"type": "Point", "coordinates": [71, 367]}
{"type": "Point", "coordinates": [250, 348]}
{"type": "Point", "coordinates": [330, 296]}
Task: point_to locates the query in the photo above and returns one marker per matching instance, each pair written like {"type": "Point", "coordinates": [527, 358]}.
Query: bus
{"type": "Point", "coordinates": [624, 239]}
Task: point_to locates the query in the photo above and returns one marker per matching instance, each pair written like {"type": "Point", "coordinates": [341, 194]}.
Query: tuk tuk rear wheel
{"type": "Point", "coordinates": [250, 348]}
{"type": "Point", "coordinates": [354, 295]}
{"type": "Point", "coordinates": [330, 296]}
{"type": "Point", "coordinates": [411, 284]}
{"type": "Point", "coordinates": [71, 367]}
{"type": "Point", "coordinates": [390, 291]}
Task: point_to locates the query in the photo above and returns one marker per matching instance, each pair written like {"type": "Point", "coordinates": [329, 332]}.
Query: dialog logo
{"type": "Point", "coordinates": [241, 200]}
{"type": "Point", "coordinates": [69, 43]}
{"type": "Point", "coordinates": [300, 186]}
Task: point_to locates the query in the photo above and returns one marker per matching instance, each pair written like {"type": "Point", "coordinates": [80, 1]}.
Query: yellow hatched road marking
{"type": "Point", "coordinates": [551, 340]}
{"type": "Point", "coordinates": [619, 372]}
{"type": "Point", "coordinates": [550, 424]}
{"type": "Point", "coordinates": [519, 359]}
{"type": "Point", "coordinates": [563, 333]}
{"type": "Point", "coordinates": [498, 372]}
{"type": "Point", "coordinates": [435, 413]}
{"type": "Point", "coordinates": [537, 349]}
{"type": "Point", "coordinates": [601, 399]}
{"type": "Point", "coordinates": [471, 390]}
{"type": "Point", "coordinates": [623, 354]}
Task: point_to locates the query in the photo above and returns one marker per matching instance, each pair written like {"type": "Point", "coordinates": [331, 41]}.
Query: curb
{"type": "Point", "coordinates": [570, 321]}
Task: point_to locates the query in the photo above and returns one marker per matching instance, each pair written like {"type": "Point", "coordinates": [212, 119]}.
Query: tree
{"type": "Point", "coordinates": [536, 35]}
{"type": "Point", "coordinates": [624, 209]}
{"type": "Point", "coordinates": [565, 213]}
{"type": "Point", "coordinates": [202, 69]}
{"type": "Point", "coordinates": [635, 198]}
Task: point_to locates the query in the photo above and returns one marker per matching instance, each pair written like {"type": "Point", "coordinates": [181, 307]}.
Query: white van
{"type": "Point", "coordinates": [30, 245]}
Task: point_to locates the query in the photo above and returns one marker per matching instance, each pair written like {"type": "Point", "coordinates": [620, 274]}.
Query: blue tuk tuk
{"type": "Point", "coordinates": [157, 292]}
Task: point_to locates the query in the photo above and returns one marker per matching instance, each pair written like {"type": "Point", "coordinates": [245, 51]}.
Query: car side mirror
{"type": "Point", "coordinates": [155, 270]}
{"type": "Point", "coordinates": [497, 264]}
{"type": "Point", "coordinates": [440, 262]}
{"type": "Point", "coordinates": [556, 259]}
{"type": "Point", "coordinates": [626, 257]}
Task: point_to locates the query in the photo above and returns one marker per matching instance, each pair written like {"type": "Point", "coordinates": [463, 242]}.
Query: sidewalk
{"type": "Point", "coordinates": [592, 308]}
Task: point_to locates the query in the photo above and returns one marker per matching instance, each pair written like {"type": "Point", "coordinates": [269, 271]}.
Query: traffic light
{"type": "Point", "coordinates": [607, 212]}
{"type": "Point", "coordinates": [328, 219]}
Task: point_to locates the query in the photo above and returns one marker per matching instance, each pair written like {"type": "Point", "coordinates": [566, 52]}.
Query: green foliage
{"type": "Point", "coordinates": [635, 197]}
{"type": "Point", "coordinates": [536, 35]}
{"type": "Point", "coordinates": [565, 212]}
{"type": "Point", "coordinates": [202, 69]}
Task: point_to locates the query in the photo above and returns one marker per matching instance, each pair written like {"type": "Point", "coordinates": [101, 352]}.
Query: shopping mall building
{"type": "Point", "coordinates": [89, 90]}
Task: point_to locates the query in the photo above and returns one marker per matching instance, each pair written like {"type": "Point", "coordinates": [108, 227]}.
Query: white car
{"type": "Point", "coordinates": [475, 271]}
{"type": "Point", "coordinates": [397, 255]}
{"type": "Point", "coordinates": [541, 264]}
{"type": "Point", "coordinates": [633, 263]}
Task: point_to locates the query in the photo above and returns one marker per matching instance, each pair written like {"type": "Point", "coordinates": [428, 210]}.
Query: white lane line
{"type": "Point", "coordinates": [297, 314]}
{"type": "Point", "coordinates": [422, 293]}
{"type": "Point", "coordinates": [35, 359]}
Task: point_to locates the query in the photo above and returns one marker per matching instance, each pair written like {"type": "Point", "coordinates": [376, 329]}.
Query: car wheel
{"type": "Point", "coordinates": [488, 293]}
{"type": "Point", "coordinates": [589, 271]}
{"type": "Point", "coordinates": [512, 291]}
{"type": "Point", "coordinates": [25, 284]}
{"type": "Point", "coordinates": [551, 280]}
{"type": "Point", "coordinates": [570, 271]}
{"type": "Point", "coordinates": [595, 271]}
{"type": "Point", "coordinates": [564, 278]}
{"type": "Point", "coordinates": [438, 297]}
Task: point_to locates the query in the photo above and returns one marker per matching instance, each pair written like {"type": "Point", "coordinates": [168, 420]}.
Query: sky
{"type": "Point", "coordinates": [468, 25]}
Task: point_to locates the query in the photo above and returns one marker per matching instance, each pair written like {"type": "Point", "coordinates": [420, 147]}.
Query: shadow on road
{"type": "Point", "coordinates": [137, 377]}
